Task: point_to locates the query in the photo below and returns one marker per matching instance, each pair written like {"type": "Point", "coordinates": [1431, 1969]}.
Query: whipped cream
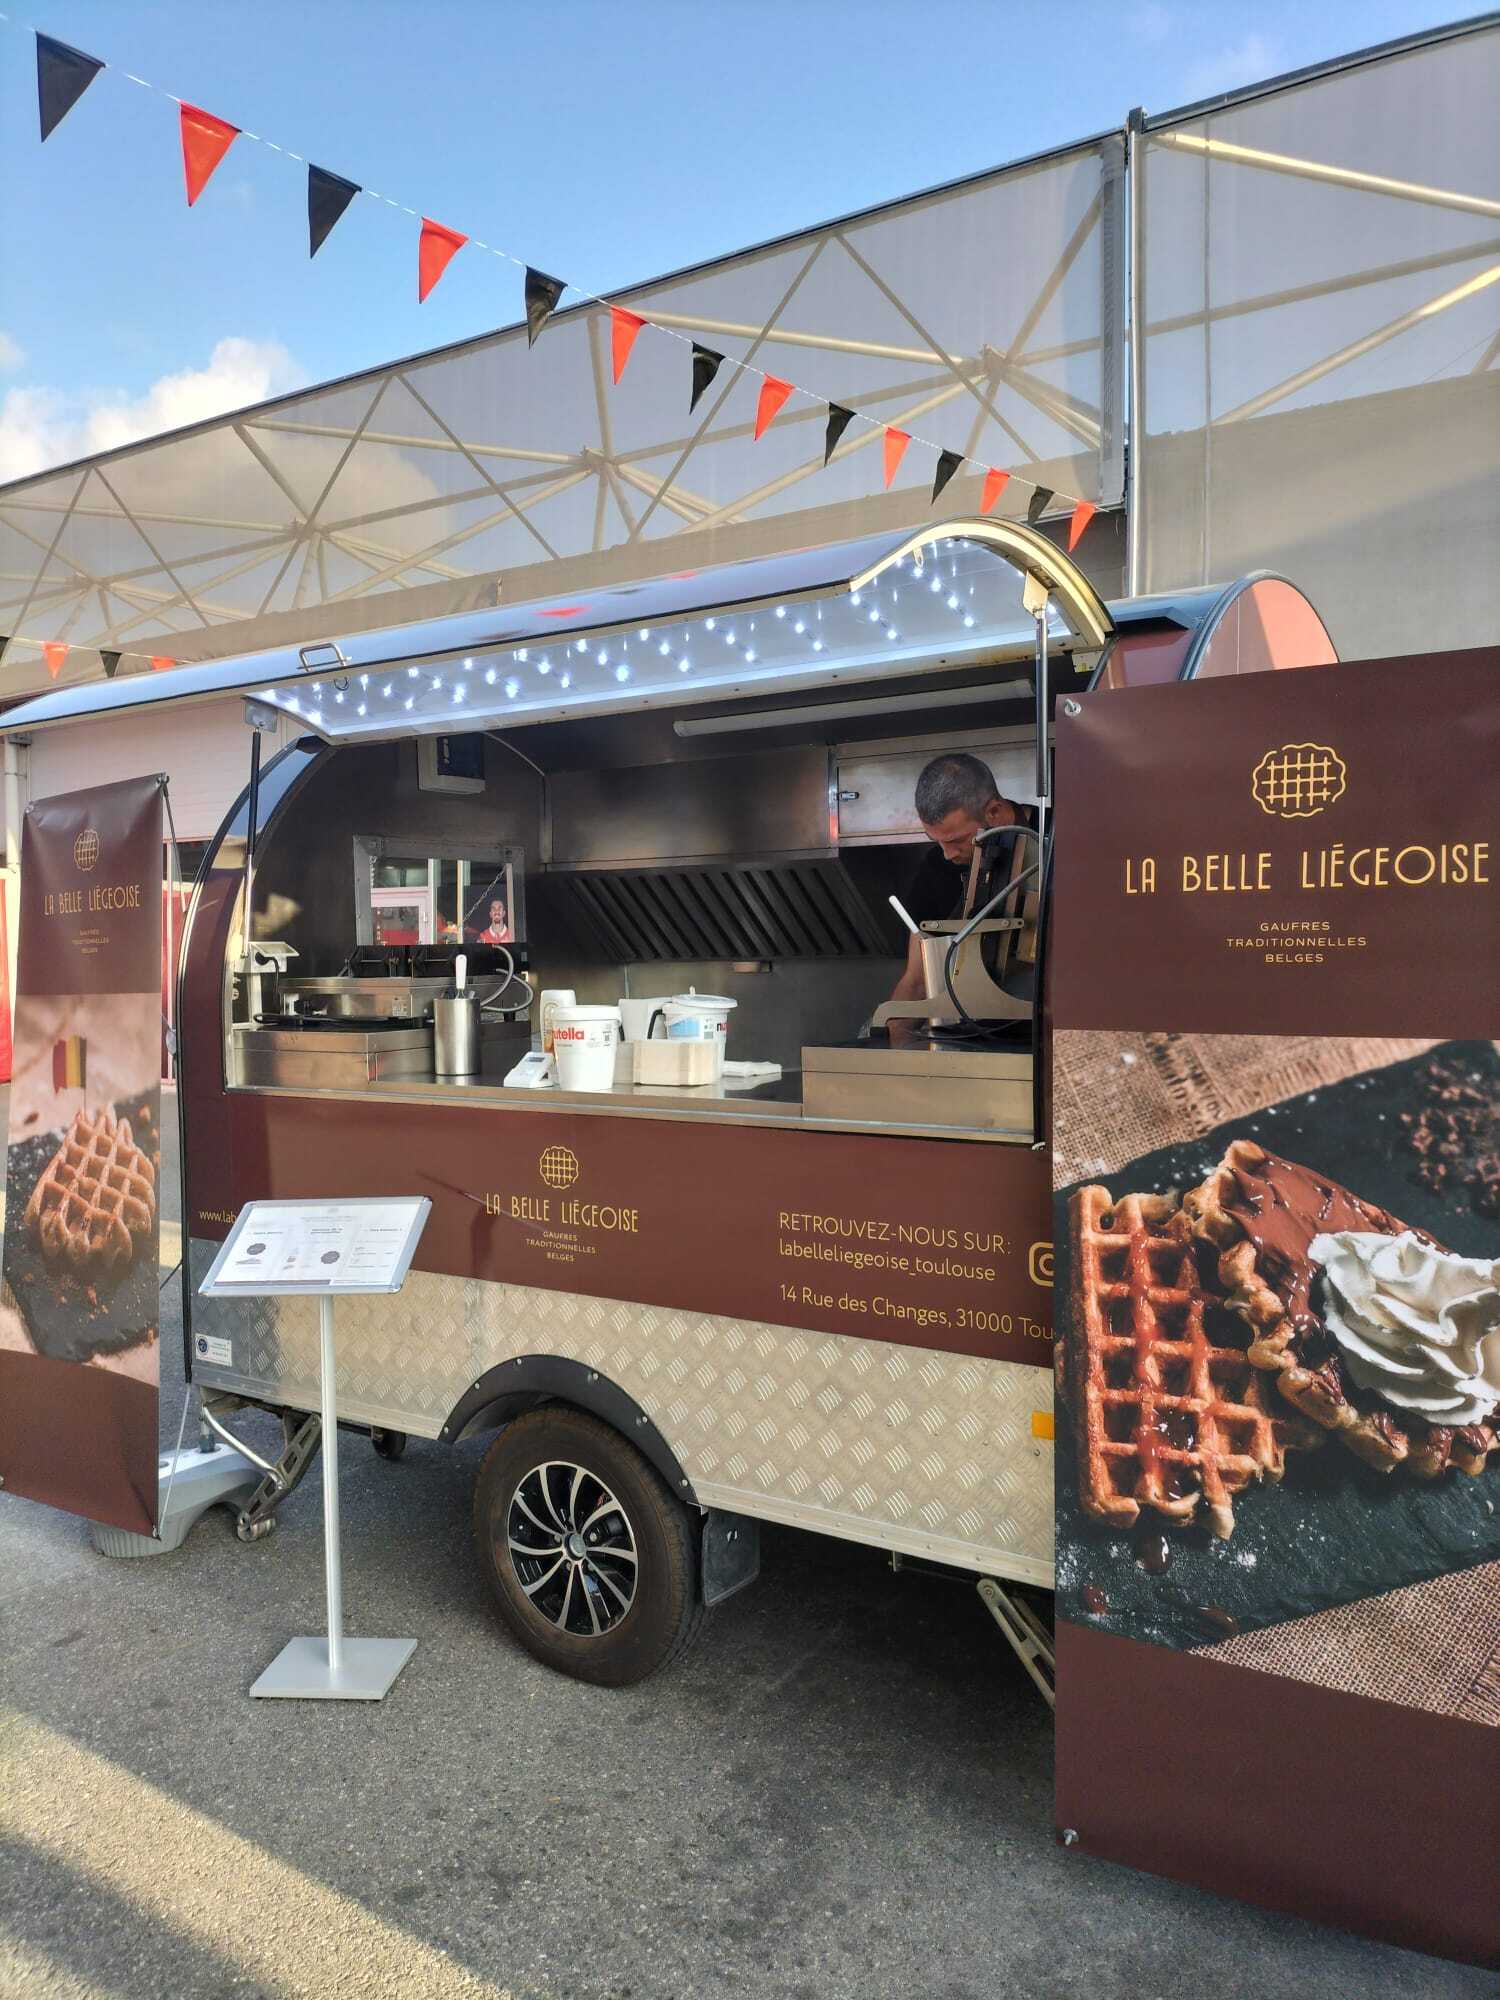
{"type": "Point", "coordinates": [1416, 1325]}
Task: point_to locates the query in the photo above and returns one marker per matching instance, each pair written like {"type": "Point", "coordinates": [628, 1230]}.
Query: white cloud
{"type": "Point", "coordinates": [12, 354]}
{"type": "Point", "coordinates": [1250, 60]}
{"type": "Point", "coordinates": [41, 426]}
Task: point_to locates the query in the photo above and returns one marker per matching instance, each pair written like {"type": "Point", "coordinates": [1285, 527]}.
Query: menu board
{"type": "Point", "coordinates": [279, 1247]}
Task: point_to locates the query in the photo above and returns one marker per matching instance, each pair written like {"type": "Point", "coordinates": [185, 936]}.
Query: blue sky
{"type": "Point", "coordinates": [601, 140]}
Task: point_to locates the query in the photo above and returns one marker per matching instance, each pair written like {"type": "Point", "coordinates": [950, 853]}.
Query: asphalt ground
{"type": "Point", "coordinates": [845, 1789]}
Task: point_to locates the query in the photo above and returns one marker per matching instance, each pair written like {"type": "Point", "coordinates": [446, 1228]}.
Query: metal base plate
{"type": "Point", "coordinates": [300, 1671]}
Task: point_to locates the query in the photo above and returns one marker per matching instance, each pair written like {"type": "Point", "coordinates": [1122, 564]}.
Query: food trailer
{"type": "Point", "coordinates": [809, 1283]}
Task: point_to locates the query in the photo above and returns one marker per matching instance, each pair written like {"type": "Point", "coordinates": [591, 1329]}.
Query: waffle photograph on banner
{"type": "Point", "coordinates": [1278, 1358]}
{"type": "Point", "coordinates": [81, 1198]}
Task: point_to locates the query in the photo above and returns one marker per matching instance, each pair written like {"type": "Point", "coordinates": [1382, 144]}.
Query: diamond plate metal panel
{"type": "Point", "coordinates": [931, 1454]}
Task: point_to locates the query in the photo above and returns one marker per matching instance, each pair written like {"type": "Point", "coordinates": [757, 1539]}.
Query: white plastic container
{"type": "Point", "coordinates": [699, 1017]}
{"type": "Point", "coordinates": [553, 998]}
{"type": "Point", "coordinates": [584, 1040]}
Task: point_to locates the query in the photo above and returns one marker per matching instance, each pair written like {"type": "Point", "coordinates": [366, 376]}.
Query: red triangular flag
{"type": "Point", "coordinates": [160, 663]}
{"type": "Point", "coordinates": [435, 252]}
{"type": "Point", "coordinates": [205, 141]}
{"type": "Point", "coordinates": [1083, 513]}
{"type": "Point", "coordinates": [623, 328]}
{"type": "Point", "coordinates": [995, 483]}
{"type": "Point", "coordinates": [773, 393]}
{"type": "Point", "coordinates": [895, 445]}
{"type": "Point", "coordinates": [54, 652]}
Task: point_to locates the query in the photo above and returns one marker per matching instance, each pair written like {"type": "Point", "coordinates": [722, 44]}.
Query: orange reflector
{"type": "Point", "coordinates": [1041, 1423]}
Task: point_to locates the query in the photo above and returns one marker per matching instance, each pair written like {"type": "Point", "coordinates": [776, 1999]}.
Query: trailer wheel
{"type": "Point", "coordinates": [591, 1559]}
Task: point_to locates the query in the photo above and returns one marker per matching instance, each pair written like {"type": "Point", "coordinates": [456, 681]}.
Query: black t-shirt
{"type": "Point", "coordinates": [935, 893]}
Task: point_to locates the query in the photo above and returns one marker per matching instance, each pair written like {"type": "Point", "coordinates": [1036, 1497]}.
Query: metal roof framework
{"type": "Point", "coordinates": [487, 460]}
{"type": "Point", "coordinates": [988, 317]}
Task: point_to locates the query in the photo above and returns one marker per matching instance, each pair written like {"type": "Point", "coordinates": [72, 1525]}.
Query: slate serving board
{"type": "Point", "coordinates": [1334, 1530]}
{"type": "Point", "coordinates": [69, 1317]}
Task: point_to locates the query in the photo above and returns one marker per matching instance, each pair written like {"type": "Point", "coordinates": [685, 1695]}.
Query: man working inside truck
{"type": "Point", "coordinates": [957, 799]}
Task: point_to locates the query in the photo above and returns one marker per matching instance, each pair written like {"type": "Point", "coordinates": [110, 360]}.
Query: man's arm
{"type": "Point", "coordinates": [912, 985]}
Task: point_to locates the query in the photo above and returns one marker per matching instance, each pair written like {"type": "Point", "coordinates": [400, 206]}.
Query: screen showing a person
{"type": "Point", "coordinates": [429, 899]}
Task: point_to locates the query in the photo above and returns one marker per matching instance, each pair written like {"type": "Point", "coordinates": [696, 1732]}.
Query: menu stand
{"type": "Point", "coordinates": [371, 1254]}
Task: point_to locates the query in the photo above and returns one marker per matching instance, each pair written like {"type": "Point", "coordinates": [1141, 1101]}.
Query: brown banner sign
{"type": "Point", "coordinates": [78, 1320]}
{"type": "Point", "coordinates": [908, 1240]}
{"type": "Point", "coordinates": [1277, 1187]}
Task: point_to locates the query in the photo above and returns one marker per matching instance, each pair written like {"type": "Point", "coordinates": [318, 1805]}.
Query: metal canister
{"type": "Point", "coordinates": [455, 1032]}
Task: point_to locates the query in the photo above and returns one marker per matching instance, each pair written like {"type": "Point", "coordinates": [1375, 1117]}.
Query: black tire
{"type": "Point", "coordinates": [580, 1614]}
{"type": "Point", "coordinates": [389, 1444]}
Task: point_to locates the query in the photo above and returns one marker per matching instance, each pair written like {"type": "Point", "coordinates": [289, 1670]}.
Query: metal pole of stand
{"type": "Point", "coordinates": [331, 1557]}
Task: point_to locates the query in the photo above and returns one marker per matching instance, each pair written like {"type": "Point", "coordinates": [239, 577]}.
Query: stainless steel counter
{"type": "Point", "coordinates": [777, 1103]}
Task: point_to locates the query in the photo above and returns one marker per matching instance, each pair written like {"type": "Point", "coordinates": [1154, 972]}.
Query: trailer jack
{"type": "Point", "coordinates": [301, 1435]}
{"type": "Point", "coordinates": [1025, 1634]}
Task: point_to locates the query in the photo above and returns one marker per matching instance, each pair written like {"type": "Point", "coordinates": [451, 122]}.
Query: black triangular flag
{"type": "Point", "coordinates": [111, 663]}
{"type": "Point", "coordinates": [706, 364]}
{"type": "Point", "coordinates": [328, 195]}
{"type": "Point", "coordinates": [1038, 504]}
{"type": "Point", "coordinates": [62, 76]}
{"type": "Point", "coordinates": [948, 463]}
{"type": "Point", "coordinates": [542, 295]}
{"type": "Point", "coordinates": [839, 420]}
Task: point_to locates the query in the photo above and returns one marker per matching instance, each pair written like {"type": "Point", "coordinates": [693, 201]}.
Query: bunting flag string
{"type": "Point", "coordinates": [1082, 514]}
{"type": "Point", "coordinates": [542, 295]}
{"type": "Point", "coordinates": [65, 73]}
{"type": "Point", "coordinates": [623, 328]}
{"type": "Point", "coordinates": [995, 483]}
{"type": "Point", "coordinates": [948, 463]}
{"type": "Point", "coordinates": [707, 362]}
{"type": "Point", "coordinates": [773, 393]}
{"type": "Point", "coordinates": [205, 141]}
{"type": "Point", "coordinates": [328, 195]}
{"type": "Point", "coordinates": [62, 76]}
{"type": "Point", "coordinates": [436, 249]}
{"type": "Point", "coordinates": [839, 420]}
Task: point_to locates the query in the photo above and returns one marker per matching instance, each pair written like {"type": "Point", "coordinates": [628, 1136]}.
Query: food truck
{"type": "Point", "coordinates": [580, 918]}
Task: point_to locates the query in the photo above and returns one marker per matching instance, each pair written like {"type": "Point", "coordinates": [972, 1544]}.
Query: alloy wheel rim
{"type": "Point", "coordinates": [572, 1547]}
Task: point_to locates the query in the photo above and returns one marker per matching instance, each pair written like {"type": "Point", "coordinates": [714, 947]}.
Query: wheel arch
{"type": "Point", "coordinates": [530, 1381]}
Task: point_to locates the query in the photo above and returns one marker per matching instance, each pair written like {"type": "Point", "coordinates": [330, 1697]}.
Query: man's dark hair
{"type": "Point", "coordinates": [955, 782]}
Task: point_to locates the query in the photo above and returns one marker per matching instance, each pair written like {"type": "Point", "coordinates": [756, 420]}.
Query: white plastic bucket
{"type": "Point", "coordinates": [584, 1040]}
{"type": "Point", "coordinates": [699, 1017]}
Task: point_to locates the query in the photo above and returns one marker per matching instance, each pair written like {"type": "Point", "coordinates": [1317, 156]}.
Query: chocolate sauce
{"type": "Point", "coordinates": [1153, 1551]}
{"type": "Point", "coordinates": [1281, 1207]}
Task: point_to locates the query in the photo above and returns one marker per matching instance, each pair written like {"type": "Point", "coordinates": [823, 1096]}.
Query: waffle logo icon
{"type": "Point", "coordinates": [1298, 780]}
{"type": "Point", "coordinates": [559, 1166]}
{"type": "Point", "coordinates": [86, 851]}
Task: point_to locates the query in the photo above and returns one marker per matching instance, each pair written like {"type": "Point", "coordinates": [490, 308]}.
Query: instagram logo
{"type": "Point", "coordinates": [1039, 1263]}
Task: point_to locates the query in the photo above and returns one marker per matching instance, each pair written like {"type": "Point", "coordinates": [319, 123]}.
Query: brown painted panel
{"type": "Point", "coordinates": [929, 1243]}
{"type": "Point", "coordinates": [1312, 875]}
{"type": "Point", "coordinates": [1282, 1793]}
